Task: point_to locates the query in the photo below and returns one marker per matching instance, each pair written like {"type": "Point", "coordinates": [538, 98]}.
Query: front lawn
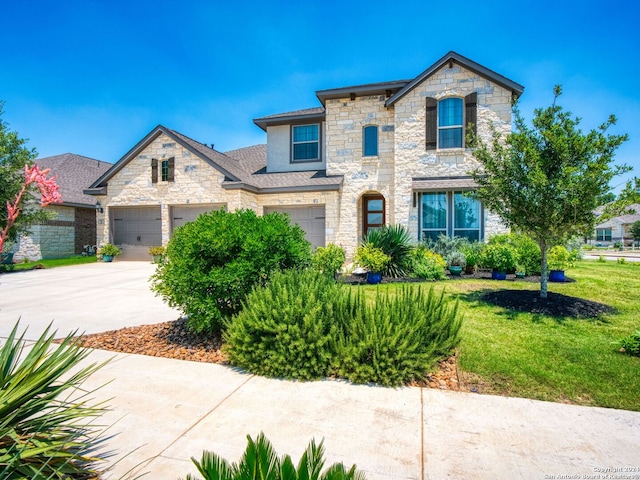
{"type": "Point", "coordinates": [556, 359]}
{"type": "Point", "coordinates": [54, 262]}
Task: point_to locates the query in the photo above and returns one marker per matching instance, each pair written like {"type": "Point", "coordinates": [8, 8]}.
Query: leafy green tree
{"type": "Point", "coordinates": [635, 230]}
{"type": "Point", "coordinates": [546, 180]}
{"type": "Point", "coordinates": [14, 155]}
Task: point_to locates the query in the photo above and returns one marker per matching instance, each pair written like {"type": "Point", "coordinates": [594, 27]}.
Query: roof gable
{"type": "Point", "coordinates": [229, 167]}
{"type": "Point", "coordinates": [515, 88]}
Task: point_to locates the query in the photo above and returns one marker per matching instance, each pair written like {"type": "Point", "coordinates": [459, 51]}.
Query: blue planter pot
{"type": "Point", "coordinates": [455, 270]}
{"type": "Point", "coordinates": [496, 275]}
{"type": "Point", "coordinates": [556, 276]}
{"type": "Point", "coordinates": [374, 278]}
{"type": "Point", "coordinates": [107, 258]}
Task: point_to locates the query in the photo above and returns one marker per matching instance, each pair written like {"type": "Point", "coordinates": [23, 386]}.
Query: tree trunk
{"type": "Point", "coordinates": [543, 274]}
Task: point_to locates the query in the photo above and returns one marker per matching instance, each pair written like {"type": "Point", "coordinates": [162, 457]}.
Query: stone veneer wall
{"type": "Point", "coordinates": [53, 239]}
{"type": "Point", "coordinates": [402, 152]}
{"type": "Point", "coordinates": [195, 182]}
{"type": "Point", "coordinates": [345, 119]}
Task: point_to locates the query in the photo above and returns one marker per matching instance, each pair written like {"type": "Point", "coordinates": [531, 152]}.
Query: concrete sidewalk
{"type": "Point", "coordinates": [165, 411]}
{"type": "Point", "coordinates": [171, 410]}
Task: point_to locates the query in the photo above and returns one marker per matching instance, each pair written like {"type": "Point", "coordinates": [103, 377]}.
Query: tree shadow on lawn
{"type": "Point", "coordinates": [557, 306]}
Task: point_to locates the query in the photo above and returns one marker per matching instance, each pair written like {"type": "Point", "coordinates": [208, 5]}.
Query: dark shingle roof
{"type": "Point", "coordinates": [251, 158]}
{"type": "Point", "coordinates": [73, 174]}
{"type": "Point", "coordinates": [283, 118]}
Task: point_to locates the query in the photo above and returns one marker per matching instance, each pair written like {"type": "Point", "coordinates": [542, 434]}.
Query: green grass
{"type": "Point", "coordinates": [55, 262]}
{"type": "Point", "coordinates": [561, 360]}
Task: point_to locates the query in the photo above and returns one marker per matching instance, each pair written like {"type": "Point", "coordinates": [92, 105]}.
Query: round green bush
{"type": "Point", "coordinates": [286, 329]}
{"type": "Point", "coordinates": [212, 263]}
{"type": "Point", "coordinates": [427, 265]}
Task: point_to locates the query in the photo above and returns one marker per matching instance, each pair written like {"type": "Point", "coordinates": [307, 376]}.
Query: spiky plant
{"type": "Point", "coordinates": [45, 420]}
{"type": "Point", "coordinates": [260, 462]}
{"type": "Point", "coordinates": [395, 241]}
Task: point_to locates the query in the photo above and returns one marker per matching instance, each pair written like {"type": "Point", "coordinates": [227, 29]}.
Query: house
{"type": "Point", "coordinates": [617, 229]}
{"type": "Point", "coordinates": [73, 224]}
{"type": "Point", "coordinates": [368, 155]}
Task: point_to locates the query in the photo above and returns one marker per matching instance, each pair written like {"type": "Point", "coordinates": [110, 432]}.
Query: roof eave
{"type": "Point", "coordinates": [288, 189]}
{"type": "Point", "coordinates": [362, 90]}
{"type": "Point", "coordinates": [515, 88]}
{"type": "Point", "coordinates": [263, 123]}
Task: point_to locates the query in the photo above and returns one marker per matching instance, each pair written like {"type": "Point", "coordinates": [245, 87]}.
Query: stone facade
{"type": "Point", "coordinates": [400, 172]}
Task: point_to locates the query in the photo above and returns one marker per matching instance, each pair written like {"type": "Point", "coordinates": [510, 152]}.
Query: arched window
{"type": "Point", "coordinates": [372, 212]}
{"type": "Point", "coordinates": [370, 141]}
{"type": "Point", "coordinates": [450, 123]}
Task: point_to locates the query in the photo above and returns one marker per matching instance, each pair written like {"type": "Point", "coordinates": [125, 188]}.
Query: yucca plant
{"type": "Point", "coordinates": [46, 429]}
{"type": "Point", "coordinates": [260, 462]}
{"type": "Point", "coordinates": [395, 241]}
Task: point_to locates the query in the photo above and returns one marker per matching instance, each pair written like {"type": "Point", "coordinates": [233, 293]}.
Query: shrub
{"type": "Point", "coordinates": [156, 250]}
{"type": "Point", "coordinates": [621, 261]}
{"type": "Point", "coordinates": [457, 259]}
{"type": "Point", "coordinates": [558, 258]}
{"type": "Point", "coordinates": [260, 462]}
{"type": "Point", "coordinates": [396, 242]}
{"type": "Point", "coordinates": [396, 340]}
{"type": "Point", "coordinates": [372, 258]}
{"type": "Point", "coordinates": [286, 329]}
{"type": "Point", "coordinates": [528, 251]}
{"type": "Point", "coordinates": [212, 263]}
{"type": "Point", "coordinates": [500, 257]}
{"type": "Point", "coordinates": [329, 260]}
{"type": "Point", "coordinates": [445, 245]}
{"type": "Point", "coordinates": [631, 344]}
{"type": "Point", "coordinates": [45, 433]}
{"type": "Point", "coordinates": [427, 265]}
{"type": "Point", "coordinates": [472, 253]}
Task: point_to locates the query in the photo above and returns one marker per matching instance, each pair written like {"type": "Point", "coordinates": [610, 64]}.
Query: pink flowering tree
{"type": "Point", "coordinates": [48, 191]}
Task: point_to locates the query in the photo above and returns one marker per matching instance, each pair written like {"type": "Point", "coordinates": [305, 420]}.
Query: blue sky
{"type": "Point", "coordinates": [94, 77]}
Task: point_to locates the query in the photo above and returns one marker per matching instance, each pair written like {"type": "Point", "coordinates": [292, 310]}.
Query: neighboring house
{"type": "Point", "coordinates": [617, 229]}
{"type": "Point", "coordinates": [74, 224]}
{"type": "Point", "coordinates": [370, 155]}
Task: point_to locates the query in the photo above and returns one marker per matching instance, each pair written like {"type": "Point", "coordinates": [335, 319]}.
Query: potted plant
{"type": "Point", "coordinates": [108, 251]}
{"type": "Point", "coordinates": [374, 260]}
{"type": "Point", "coordinates": [558, 260]}
{"type": "Point", "coordinates": [456, 261]}
{"type": "Point", "coordinates": [157, 252]}
{"type": "Point", "coordinates": [520, 270]}
{"type": "Point", "coordinates": [472, 254]}
{"type": "Point", "coordinates": [500, 257]}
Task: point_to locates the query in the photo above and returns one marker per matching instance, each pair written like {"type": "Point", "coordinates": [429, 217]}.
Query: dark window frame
{"type": "Point", "coordinates": [450, 228]}
{"type": "Point", "coordinates": [318, 141]}
{"type": "Point", "coordinates": [366, 211]}
{"type": "Point", "coordinates": [367, 142]}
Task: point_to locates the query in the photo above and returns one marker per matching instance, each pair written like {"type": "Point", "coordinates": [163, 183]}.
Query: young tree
{"type": "Point", "coordinates": [547, 180]}
{"type": "Point", "coordinates": [635, 230]}
{"type": "Point", "coordinates": [14, 155]}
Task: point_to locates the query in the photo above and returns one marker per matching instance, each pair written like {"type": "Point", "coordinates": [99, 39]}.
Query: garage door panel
{"type": "Point", "coordinates": [181, 214]}
{"type": "Point", "coordinates": [141, 226]}
{"type": "Point", "coordinates": [310, 218]}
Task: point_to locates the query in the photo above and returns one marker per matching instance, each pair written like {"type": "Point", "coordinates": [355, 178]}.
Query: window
{"type": "Point", "coordinates": [370, 141]}
{"type": "Point", "coordinates": [373, 212]}
{"type": "Point", "coordinates": [449, 120]}
{"type": "Point", "coordinates": [450, 213]}
{"type": "Point", "coordinates": [450, 123]}
{"type": "Point", "coordinates": [603, 234]}
{"type": "Point", "coordinates": [167, 168]}
{"type": "Point", "coordinates": [306, 143]}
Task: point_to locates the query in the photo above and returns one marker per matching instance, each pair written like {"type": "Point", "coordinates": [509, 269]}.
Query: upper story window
{"type": "Point", "coordinates": [166, 167]}
{"type": "Point", "coordinates": [306, 143]}
{"type": "Point", "coordinates": [449, 120]}
{"type": "Point", "coordinates": [450, 123]}
{"type": "Point", "coordinates": [370, 141]}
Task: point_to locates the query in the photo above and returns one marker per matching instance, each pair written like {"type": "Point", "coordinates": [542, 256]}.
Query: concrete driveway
{"type": "Point", "coordinates": [90, 298]}
{"type": "Point", "coordinates": [165, 411]}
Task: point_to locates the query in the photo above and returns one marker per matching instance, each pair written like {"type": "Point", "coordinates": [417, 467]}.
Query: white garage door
{"type": "Point", "coordinates": [181, 214]}
{"type": "Point", "coordinates": [311, 219]}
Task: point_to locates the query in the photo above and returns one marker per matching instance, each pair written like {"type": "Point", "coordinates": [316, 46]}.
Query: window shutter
{"type": "Point", "coordinates": [172, 166]}
{"type": "Point", "coordinates": [471, 112]}
{"type": "Point", "coordinates": [431, 124]}
{"type": "Point", "coordinates": [154, 170]}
